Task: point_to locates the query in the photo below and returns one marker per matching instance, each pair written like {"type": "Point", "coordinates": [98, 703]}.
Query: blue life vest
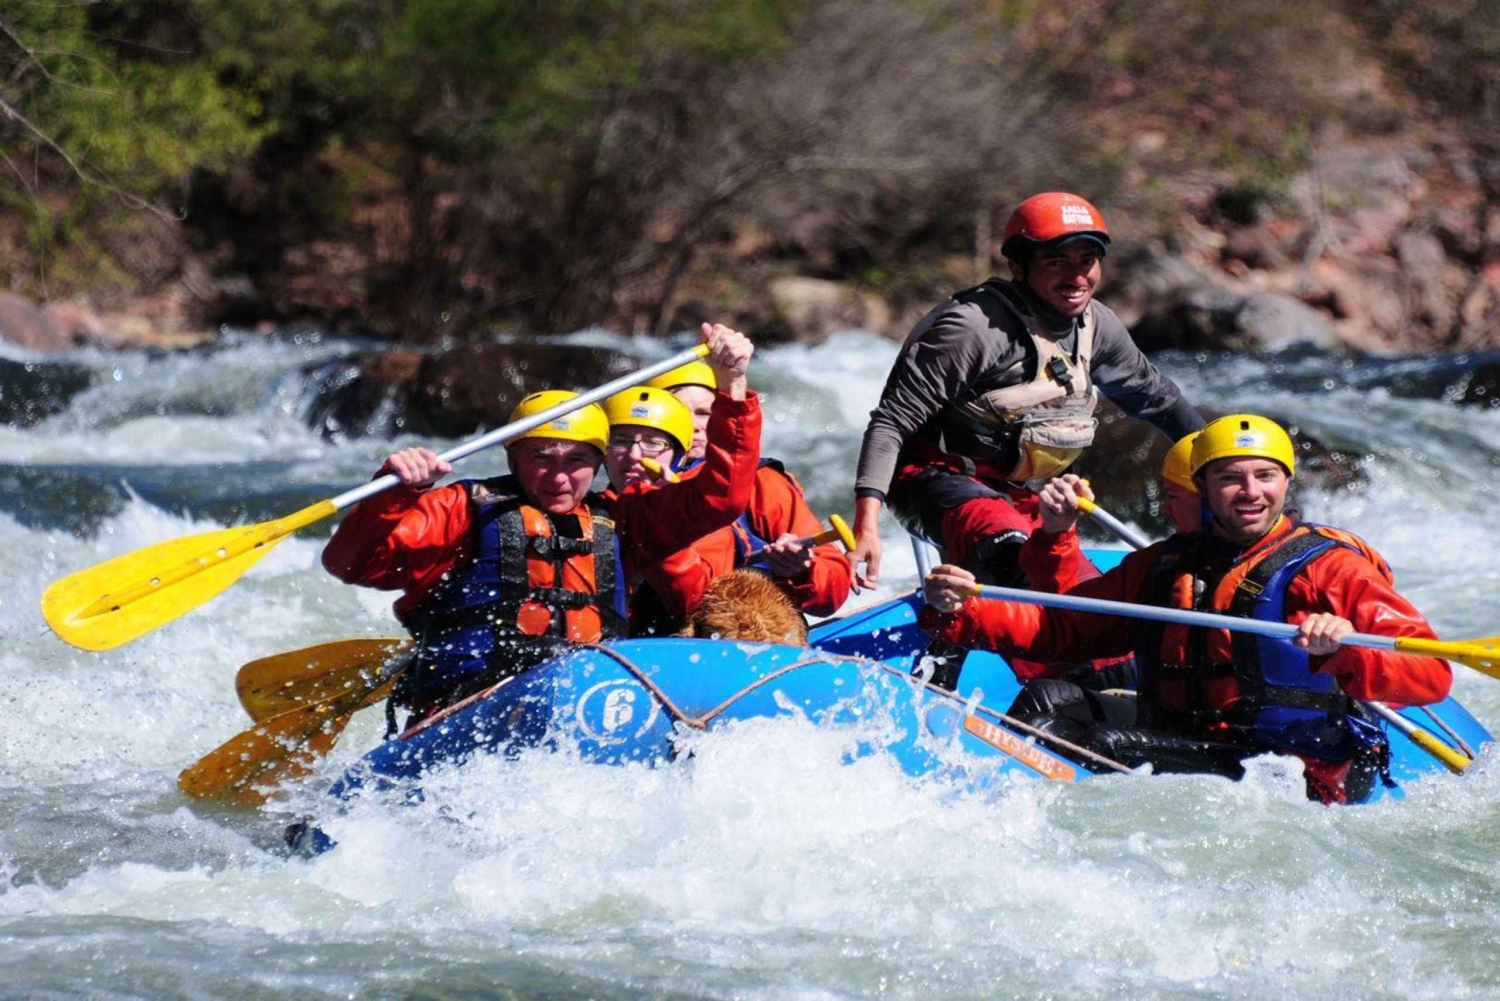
{"type": "Point", "coordinates": [1281, 704]}
{"type": "Point", "coordinates": [529, 591]}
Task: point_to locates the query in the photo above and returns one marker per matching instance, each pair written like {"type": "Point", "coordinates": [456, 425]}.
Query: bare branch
{"type": "Point", "coordinates": [84, 175]}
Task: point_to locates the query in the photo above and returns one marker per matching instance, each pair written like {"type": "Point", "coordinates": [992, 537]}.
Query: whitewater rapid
{"type": "Point", "coordinates": [762, 866]}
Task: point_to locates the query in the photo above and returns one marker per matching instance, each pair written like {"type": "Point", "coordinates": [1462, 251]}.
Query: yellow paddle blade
{"type": "Point", "coordinates": [247, 768]}
{"type": "Point", "coordinates": [285, 681]}
{"type": "Point", "coordinates": [1483, 655]}
{"type": "Point", "coordinates": [842, 528]}
{"type": "Point", "coordinates": [114, 602]}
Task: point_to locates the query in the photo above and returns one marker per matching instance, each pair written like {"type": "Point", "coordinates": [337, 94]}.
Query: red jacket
{"type": "Point", "coordinates": [405, 538]}
{"type": "Point", "coordinates": [776, 508]}
{"type": "Point", "coordinates": [1055, 563]}
{"type": "Point", "coordinates": [1340, 581]}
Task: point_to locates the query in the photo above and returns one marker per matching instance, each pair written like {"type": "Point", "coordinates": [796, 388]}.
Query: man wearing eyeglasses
{"type": "Point", "coordinates": [814, 579]}
{"type": "Point", "coordinates": [659, 515]}
{"type": "Point", "coordinates": [498, 575]}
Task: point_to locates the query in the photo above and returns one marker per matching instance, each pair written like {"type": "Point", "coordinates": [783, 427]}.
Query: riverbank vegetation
{"type": "Point", "coordinates": [431, 169]}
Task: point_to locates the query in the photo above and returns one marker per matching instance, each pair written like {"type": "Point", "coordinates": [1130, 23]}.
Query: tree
{"type": "Point", "coordinates": [95, 113]}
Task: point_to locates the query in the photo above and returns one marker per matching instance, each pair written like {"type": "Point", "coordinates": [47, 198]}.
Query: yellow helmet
{"type": "Point", "coordinates": [653, 408]}
{"type": "Point", "coordinates": [1243, 435]}
{"type": "Point", "coordinates": [586, 424]}
{"type": "Point", "coordinates": [694, 373]}
{"type": "Point", "coordinates": [1174, 468]}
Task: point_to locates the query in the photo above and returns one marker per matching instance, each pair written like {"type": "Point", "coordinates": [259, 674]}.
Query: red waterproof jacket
{"type": "Point", "coordinates": [1340, 581]}
{"type": "Point", "coordinates": [776, 508]}
{"type": "Point", "coordinates": [405, 539]}
{"type": "Point", "coordinates": [1055, 563]}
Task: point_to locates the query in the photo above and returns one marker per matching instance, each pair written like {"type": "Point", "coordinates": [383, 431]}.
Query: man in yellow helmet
{"type": "Point", "coordinates": [1209, 698]}
{"type": "Point", "coordinates": [662, 517]}
{"type": "Point", "coordinates": [497, 575]}
{"type": "Point", "coordinates": [816, 580]}
{"type": "Point", "coordinates": [694, 386]}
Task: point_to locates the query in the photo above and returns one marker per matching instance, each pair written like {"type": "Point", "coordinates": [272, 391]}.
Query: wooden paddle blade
{"type": "Point", "coordinates": [116, 601]}
{"type": "Point", "coordinates": [283, 682]}
{"type": "Point", "coordinates": [247, 768]}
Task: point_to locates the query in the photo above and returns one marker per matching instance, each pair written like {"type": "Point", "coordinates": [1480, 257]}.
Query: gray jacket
{"type": "Point", "coordinates": [970, 344]}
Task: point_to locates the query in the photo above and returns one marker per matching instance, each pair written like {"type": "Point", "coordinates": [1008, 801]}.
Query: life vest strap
{"type": "Point", "coordinates": [1255, 693]}
{"type": "Point", "coordinates": [553, 546]}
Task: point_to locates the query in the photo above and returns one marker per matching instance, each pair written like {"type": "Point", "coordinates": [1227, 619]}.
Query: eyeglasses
{"type": "Point", "coordinates": [651, 445]}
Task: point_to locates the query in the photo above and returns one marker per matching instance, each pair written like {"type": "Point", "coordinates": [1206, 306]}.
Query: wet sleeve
{"type": "Point", "coordinates": [1345, 583]}
{"type": "Point", "coordinates": [656, 521]}
{"type": "Point", "coordinates": [778, 507]}
{"type": "Point", "coordinates": [1015, 629]}
{"type": "Point", "coordinates": [401, 539]}
{"type": "Point", "coordinates": [680, 580]}
{"type": "Point", "coordinates": [1055, 563]}
{"type": "Point", "coordinates": [931, 370]}
{"type": "Point", "coordinates": [1125, 375]}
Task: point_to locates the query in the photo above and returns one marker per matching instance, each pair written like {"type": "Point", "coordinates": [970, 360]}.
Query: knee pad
{"type": "Point", "coordinates": [997, 559]}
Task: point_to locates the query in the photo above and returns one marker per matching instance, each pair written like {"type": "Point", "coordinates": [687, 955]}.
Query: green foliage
{"type": "Point", "coordinates": [530, 158]}
{"type": "Point", "coordinates": [109, 118]}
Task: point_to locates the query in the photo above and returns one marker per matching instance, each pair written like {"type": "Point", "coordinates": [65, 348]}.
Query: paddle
{"type": "Point", "coordinates": [657, 470]}
{"type": "Point", "coordinates": [1482, 655]}
{"type": "Point", "coordinates": [838, 533]}
{"type": "Point", "coordinates": [244, 769]}
{"type": "Point", "coordinates": [118, 600]}
{"type": "Point", "coordinates": [273, 685]}
{"type": "Point", "coordinates": [1125, 533]}
{"type": "Point", "coordinates": [1454, 761]}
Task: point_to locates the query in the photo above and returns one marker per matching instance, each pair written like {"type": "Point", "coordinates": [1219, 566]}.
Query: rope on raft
{"type": "Point", "coordinates": [701, 722]}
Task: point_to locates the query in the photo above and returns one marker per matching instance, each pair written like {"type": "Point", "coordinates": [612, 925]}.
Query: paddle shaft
{"type": "Point", "coordinates": [1109, 521]}
{"type": "Point", "coordinates": [468, 448]}
{"type": "Point", "coordinates": [1453, 760]}
{"type": "Point", "coordinates": [829, 535]}
{"type": "Point", "coordinates": [838, 533]}
{"type": "Point", "coordinates": [1182, 617]}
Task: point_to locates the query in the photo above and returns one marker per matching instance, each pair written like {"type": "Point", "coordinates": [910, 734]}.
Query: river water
{"type": "Point", "coordinates": [761, 867]}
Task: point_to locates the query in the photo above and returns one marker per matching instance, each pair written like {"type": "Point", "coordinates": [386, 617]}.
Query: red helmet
{"type": "Point", "coordinates": [1053, 217]}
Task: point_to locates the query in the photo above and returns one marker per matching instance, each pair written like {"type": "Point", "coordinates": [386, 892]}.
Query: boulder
{"type": "Point", "coordinates": [23, 324]}
{"type": "Point", "coordinates": [813, 308]}
{"type": "Point", "coordinates": [1140, 281]}
{"type": "Point", "coordinates": [76, 323]}
{"type": "Point", "coordinates": [31, 391]}
{"type": "Point", "coordinates": [1217, 319]}
{"type": "Point", "coordinates": [1479, 387]}
{"type": "Point", "coordinates": [450, 393]}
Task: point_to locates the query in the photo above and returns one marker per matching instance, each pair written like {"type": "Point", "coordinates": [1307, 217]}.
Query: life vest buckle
{"type": "Point", "coordinates": [1060, 372]}
{"type": "Point", "coordinates": [557, 597]}
{"type": "Point", "coordinates": [547, 545]}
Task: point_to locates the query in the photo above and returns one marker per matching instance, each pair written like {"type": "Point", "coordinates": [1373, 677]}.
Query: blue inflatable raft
{"type": "Point", "coordinates": [626, 700]}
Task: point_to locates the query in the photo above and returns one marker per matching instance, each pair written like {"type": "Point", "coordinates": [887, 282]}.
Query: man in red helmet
{"type": "Point", "coordinates": [996, 387]}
